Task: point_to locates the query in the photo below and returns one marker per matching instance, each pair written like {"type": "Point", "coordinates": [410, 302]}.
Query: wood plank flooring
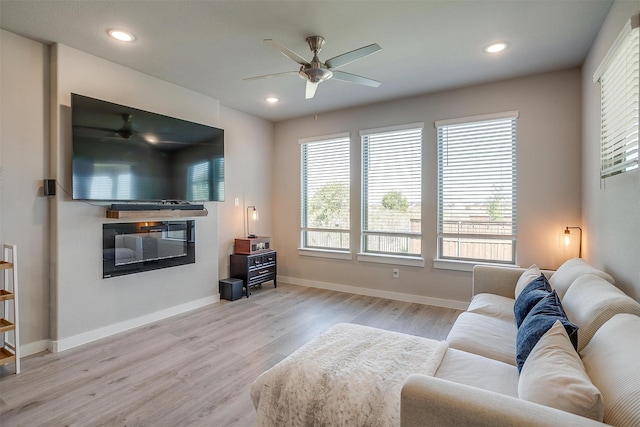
{"type": "Point", "coordinates": [193, 369]}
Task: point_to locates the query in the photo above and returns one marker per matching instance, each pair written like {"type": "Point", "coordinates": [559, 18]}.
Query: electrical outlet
{"type": "Point", "coordinates": [395, 273]}
{"type": "Point", "coordinates": [236, 201]}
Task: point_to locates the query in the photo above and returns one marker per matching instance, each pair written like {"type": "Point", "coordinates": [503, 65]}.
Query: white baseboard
{"type": "Point", "coordinates": [398, 296]}
{"type": "Point", "coordinates": [33, 348]}
{"type": "Point", "coordinates": [96, 334]}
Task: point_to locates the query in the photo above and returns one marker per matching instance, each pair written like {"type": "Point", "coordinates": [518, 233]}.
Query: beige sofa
{"type": "Point", "coordinates": [477, 382]}
{"type": "Point", "coordinates": [360, 376]}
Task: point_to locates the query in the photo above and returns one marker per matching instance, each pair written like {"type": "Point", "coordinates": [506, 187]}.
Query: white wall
{"type": "Point", "coordinates": [88, 306]}
{"type": "Point", "coordinates": [64, 300]}
{"type": "Point", "coordinates": [548, 182]}
{"type": "Point", "coordinates": [611, 207]}
{"type": "Point", "coordinates": [248, 170]}
{"type": "Point", "coordinates": [24, 154]}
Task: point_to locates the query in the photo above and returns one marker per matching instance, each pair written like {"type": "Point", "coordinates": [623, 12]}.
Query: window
{"type": "Point", "coordinates": [477, 188]}
{"type": "Point", "coordinates": [392, 190]}
{"type": "Point", "coordinates": [198, 181]}
{"type": "Point", "coordinates": [205, 180]}
{"type": "Point", "coordinates": [325, 193]}
{"type": "Point", "coordinates": [111, 182]}
{"type": "Point", "coordinates": [620, 101]}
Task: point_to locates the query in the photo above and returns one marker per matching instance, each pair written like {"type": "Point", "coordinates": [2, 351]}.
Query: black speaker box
{"type": "Point", "coordinates": [231, 289]}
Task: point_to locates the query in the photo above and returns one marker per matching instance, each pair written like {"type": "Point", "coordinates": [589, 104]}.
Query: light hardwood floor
{"type": "Point", "coordinates": [193, 369]}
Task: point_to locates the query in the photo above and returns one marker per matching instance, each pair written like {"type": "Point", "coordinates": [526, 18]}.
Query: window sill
{"type": "Point", "coordinates": [392, 259]}
{"type": "Point", "coordinates": [457, 265]}
{"type": "Point", "coordinates": [325, 253]}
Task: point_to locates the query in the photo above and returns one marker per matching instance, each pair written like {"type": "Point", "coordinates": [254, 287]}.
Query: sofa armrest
{"type": "Point", "coordinates": [429, 401]}
{"type": "Point", "coordinates": [501, 281]}
{"type": "Point", "coordinates": [495, 280]}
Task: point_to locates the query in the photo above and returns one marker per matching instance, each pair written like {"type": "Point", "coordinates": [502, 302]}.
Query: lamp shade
{"type": "Point", "coordinates": [571, 242]}
{"type": "Point", "coordinates": [252, 217]}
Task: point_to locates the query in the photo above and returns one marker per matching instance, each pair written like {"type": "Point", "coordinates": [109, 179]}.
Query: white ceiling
{"type": "Point", "coordinates": [209, 46]}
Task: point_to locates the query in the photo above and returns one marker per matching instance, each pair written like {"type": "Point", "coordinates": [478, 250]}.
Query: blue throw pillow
{"type": "Point", "coordinates": [537, 289]}
{"type": "Point", "coordinates": [539, 320]}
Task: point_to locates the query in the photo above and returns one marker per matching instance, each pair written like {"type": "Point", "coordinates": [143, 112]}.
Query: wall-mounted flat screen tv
{"type": "Point", "coordinates": [124, 154]}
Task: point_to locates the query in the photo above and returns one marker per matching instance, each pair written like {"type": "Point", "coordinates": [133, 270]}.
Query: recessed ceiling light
{"type": "Point", "coordinates": [123, 36]}
{"type": "Point", "coordinates": [496, 47]}
{"type": "Point", "coordinates": [272, 99]}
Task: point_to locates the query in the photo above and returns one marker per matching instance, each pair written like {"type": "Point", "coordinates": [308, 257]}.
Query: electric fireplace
{"type": "Point", "coordinates": [142, 246]}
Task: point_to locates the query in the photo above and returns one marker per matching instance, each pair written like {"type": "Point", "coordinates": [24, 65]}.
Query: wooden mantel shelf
{"type": "Point", "coordinates": [163, 213]}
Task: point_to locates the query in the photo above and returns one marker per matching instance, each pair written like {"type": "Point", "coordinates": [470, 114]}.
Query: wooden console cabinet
{"type": "Point", "coordinates": [254, 270]}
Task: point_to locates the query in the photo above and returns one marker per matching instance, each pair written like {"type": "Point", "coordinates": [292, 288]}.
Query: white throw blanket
{"type": "Point", "coordinates": [350, 375]}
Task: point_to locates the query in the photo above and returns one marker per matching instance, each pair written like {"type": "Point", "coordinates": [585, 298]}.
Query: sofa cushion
{"type": "Point", "coordinates": [492, 305]}
{"type": "Point", "coordinates": [591, 301]}
{"type": "Point", "coordinates": [537, 289]}
{"type": "Point", "coordinates": [568, 272]}
{"type": "Point", "coordinates": [553, 375]}
{"type": "Point", "coordinates": [488, 336]}
{"type": "Point", "coordinates": [478, 371]}
{"type": "Point", "coordinates": [526, 277]}
{"type": "Point", "coordinates": [538, 322]}
{"type": "Point", "coordinates": [612, 362]}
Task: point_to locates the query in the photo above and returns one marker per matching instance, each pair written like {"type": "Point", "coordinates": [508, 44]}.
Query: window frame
{"type": "Point", "coordinates": [467, 263]}
{"type": "Point", "coordinates": [305, 248]}
{"type": "Point", "coordinates": [615, 74]}
{"type": "Point", "coordinates": [397, 258]}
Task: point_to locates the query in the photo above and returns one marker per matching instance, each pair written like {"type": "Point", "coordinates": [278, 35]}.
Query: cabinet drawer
{"type": "Point", "coordinates": [261, 274]}
{"type": "Point", "coordinates": [261, 261]}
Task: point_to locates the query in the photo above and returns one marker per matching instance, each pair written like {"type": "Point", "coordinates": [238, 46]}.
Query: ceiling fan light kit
{"type": "Point", "coordinates": [316, 71]}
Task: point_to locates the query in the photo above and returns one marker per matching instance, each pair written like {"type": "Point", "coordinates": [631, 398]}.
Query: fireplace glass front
{"type": "Point", "coordinates": [142, 246]}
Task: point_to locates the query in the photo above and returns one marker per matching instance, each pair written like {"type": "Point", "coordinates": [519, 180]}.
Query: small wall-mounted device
{"type": "Point", "coordinates": [49, 187]}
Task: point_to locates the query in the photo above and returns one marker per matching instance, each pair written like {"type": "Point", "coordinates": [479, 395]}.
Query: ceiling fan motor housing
{"type": "Point", "coordinates": [316, 73]}
{"type": "Point", "coordinates": [126, 131]}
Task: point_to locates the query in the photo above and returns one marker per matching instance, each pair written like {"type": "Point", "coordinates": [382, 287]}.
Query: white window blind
{"type": "Point", "coordinates": [620, 100]}
{"type": "Point", "coordinates": [218, 178]}
{"type": "Point", "coordinates": [392, 190]}
{"type": "Point", "coordinates": [198, 185]}
{"type": "Point", "coordinates": [477, 188]}
{"type": "Point", "coordinates": [111, 182]}
{"type": "Point", "coordinates": [325, 192]}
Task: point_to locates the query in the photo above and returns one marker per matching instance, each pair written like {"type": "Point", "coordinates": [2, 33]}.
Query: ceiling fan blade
{"type": "Point", "coordinates": [353, 78]}
{"type": "Point", "coordinates": [286, 52]}
{"type": "Point", "coordinates": [354, 55]}
{"type": "Point", "coordinates": [96, 128]}
{"type": "Point", "coordinates": [311, 89]}
{"type": "Point", "coordinates": [268, 76]}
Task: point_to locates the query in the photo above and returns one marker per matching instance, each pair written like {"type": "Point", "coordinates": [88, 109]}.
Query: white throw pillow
{"type": "Point", "coordinates": [568, 272]}
{"type": "Point", "coordinates": [612, 362]}
{"type": "Point", "coordinates": [591, 301]}
{"type": "Point", "coordinates": [529, 275]}
{"type": "Point", "coordinates": [553, 375]}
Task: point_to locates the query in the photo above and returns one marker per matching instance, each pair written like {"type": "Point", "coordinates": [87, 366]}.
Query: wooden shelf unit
{"type": "Point", "coordinates": [7, 357]}
{"type": "Point", "coordinates": [9, 351]}
{"type": "Point", "coordinates": [161, 213]}
{"type": "Point", "coordinates": [6, 326]}
{"type": "Point", "coordinates": [5, 295]}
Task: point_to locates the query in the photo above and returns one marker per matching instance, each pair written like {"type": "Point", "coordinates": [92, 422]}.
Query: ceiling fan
{"type": "Point", "coordinates": [316, 71]}
{"type": "Point", "coordinates": [125, 131]}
